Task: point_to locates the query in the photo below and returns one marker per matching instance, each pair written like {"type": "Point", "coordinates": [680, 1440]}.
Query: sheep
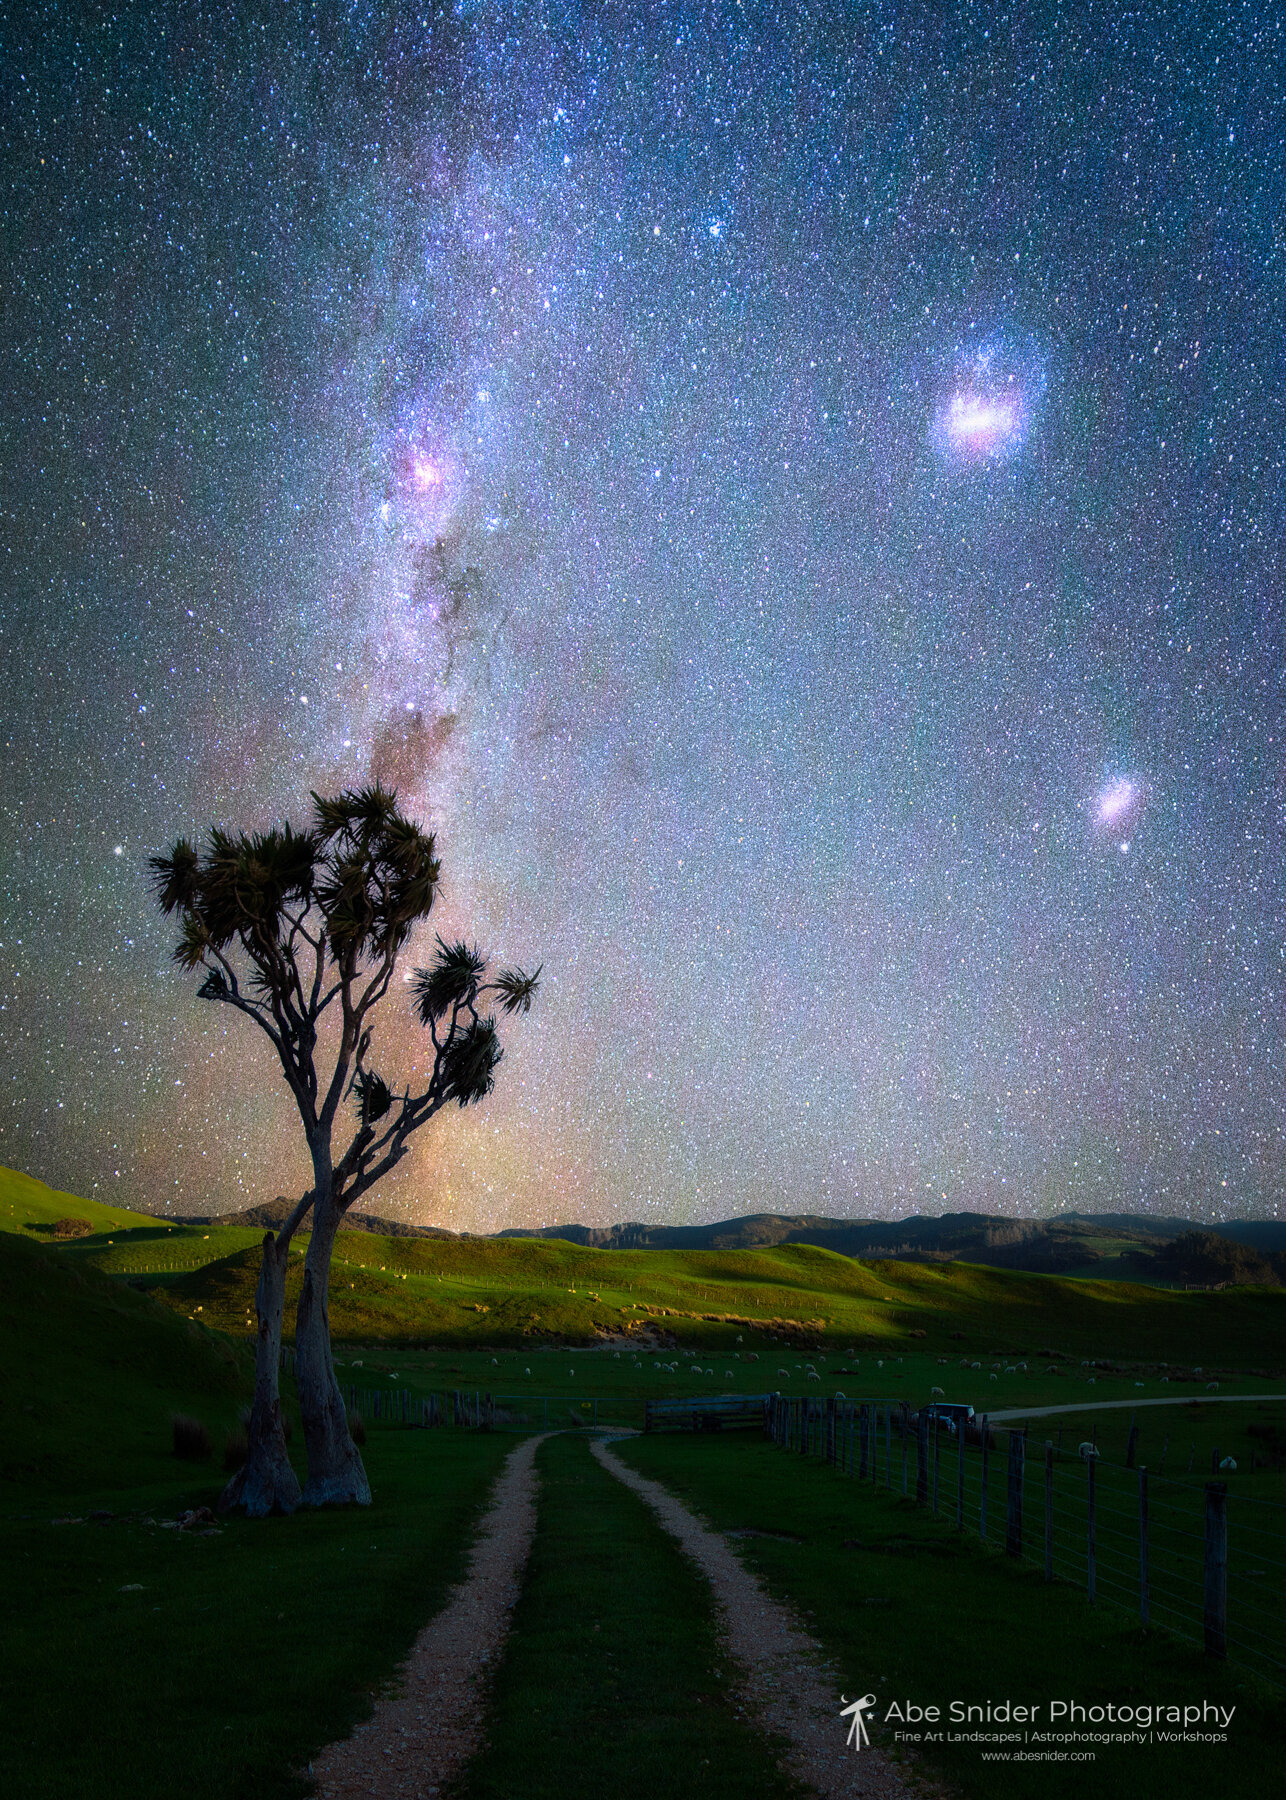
{"type": "Point", "coordinates": [1023, 1367]}
{"type": "Point", "coordinates": [938, 1391]}
{"type": "Point", "coordinates": [1138, 1384]}
{"type": "Point", "coordinates": [991, 1378]}
{"type": "Point", "coordinates": [785, 1372]}
{"type": "Point", "coordinates": [813, 1375]}
{"type": "Point", "coordinates": [1009, 1368]}
{"type": "Point", "coordinates": [727, 1374]}
{"type": "Point", "coordinates": [1229, 1462]}
{"type": "Point", "coordinates": [840, 1395]}
{"type": "Point", "coordinates": [1087, 1451]}
{"type": "Point", "coordinates": [1212, 1387]}
{"type": "Point", "coordinates": [975, 1365]}
{"type": "Point", "coordinates": [1092, 1382]}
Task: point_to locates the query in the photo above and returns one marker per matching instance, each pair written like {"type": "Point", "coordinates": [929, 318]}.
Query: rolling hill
{"type": "Point", "coordinates": [28, 1205]}
{"type": "Point", "coordinates": [90, 1372]}
{"type": "Point", "coordinates": [513, 1291]}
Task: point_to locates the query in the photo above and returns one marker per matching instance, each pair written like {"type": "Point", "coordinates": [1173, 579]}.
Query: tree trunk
{"type": "Point", "coordinates": [336, 1476]}
{"type": "Point", "coordinates": [265, 1483]}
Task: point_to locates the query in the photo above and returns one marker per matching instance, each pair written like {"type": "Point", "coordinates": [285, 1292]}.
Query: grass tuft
{"type": "Point", "coordinates": [190, 1437]}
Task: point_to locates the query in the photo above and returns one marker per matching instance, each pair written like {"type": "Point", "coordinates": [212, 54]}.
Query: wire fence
{"type": "Point", "coordinates": [1206, 1565]}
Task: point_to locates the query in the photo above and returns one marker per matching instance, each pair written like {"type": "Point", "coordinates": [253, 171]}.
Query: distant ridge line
{"type": "Point", "coordinates": [1039, 1246]}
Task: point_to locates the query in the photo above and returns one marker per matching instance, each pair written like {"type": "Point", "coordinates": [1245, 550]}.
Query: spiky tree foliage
{"type": "Point", "coordinates": [301, 931]}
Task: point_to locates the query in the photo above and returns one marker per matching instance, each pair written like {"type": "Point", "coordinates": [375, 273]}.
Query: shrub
{"type": "Point", "coordinates": [72, 1228]}
{"type": "Point", "coordinates": [191, 1439]}
{"type": "Point", "coordinates": [357, 1428]}
{"type": "Point", "coordinates": [236, 1448]}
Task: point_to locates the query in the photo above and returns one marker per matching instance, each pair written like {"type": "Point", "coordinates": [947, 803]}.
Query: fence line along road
{"type": "Point", "coordinates": [1207, 1565]}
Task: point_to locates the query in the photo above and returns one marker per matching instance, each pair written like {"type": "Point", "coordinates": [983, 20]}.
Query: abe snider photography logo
{"type": "Point", "coordinates": [856, 1710]}
{"type": "Point", "coordinates": [1036, 1723]}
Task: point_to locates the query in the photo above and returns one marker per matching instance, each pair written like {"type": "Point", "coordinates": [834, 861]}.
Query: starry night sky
{"type": "Point", "coordinates": [793, 495]}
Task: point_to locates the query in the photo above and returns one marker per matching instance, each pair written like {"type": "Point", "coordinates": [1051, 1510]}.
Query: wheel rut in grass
{"type": "Point", "coordinates": [425, 1730]}
{"type": "Point", "coordinates": [785, 1684]}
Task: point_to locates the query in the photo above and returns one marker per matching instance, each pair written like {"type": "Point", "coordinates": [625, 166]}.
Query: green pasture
{"type": "Point", "coordinates": [1183, 1442]}
{"type": "Point", "coordinates": [518, 1292]}
{"type": "Point", "coordinates": [215, 1665]}
{"type": "Point", "coordinates": [909, 1610]}
{"type": "Point", "coordinates": [213, 1668]}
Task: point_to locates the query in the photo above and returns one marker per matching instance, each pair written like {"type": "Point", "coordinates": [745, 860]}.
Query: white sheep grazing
{"type": "Point", "coordinates": [938, 1391]}
{"type": "Point", "coordinates": [1009, 1368]}
{"type": "Point", "coordinates": [814, 1376]}
{"type": "Point", "coordinates": [1087, 1451]}
{"type": "Point", "coordinates": [1023, 1367]}
{"type": "Point", "coordinates": [975, 1365]}
{"type": "Point", "coordinates": [1229, 1462]}
{"type": "Point", "coordinates": [727, 1374]}
{"type": "Point", "coordinates": [991, 1378]}
{"type": "Point", "coordinates": [1212, 1387]}
{"type": "Point", "coordinates": [839, 1395]}
{"type": "Point", "coordinates": [1138, 1384]}
{"type": "Point", "coordinates": [526, 1371]}
{"type": "Point", "coordinates": [1092, 1382]}
{"type": "Point", "coordinates": [785, 1372]}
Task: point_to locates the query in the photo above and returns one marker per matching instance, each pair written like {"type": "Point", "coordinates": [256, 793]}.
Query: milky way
{"type": "Point", "coordinates": [794, 497]}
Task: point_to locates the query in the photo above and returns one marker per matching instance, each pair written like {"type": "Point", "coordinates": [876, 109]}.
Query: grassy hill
{"type": "Point", "coordinates": [28, 1205]}
{"type": "Point", "coordinates": [91, 1371]}
{"type": "Point", "coordinates": [515, 1291]}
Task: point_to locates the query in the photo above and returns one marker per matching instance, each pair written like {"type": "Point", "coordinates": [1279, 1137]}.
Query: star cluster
{"type": "Point", "coordinates": [792, 495]}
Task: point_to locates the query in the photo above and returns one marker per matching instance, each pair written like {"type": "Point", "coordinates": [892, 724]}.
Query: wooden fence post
{"type": "Point", "coordinates": [1216, 1584]}
{"type": "Point", "coordinates": [1145, 1599]}
{"type": "Point", "coordinates": [888, 1447]}
{"type": "Point", "coordinates": [863, 1440]}
{"type": "Point", "coordinates": [1131, 1442]}
{"type": "Point", "coordinates": [1091, 1529]}
{"type": "Point", "coordinates": [921, 1458]}
{"type": "Point", "coordinates": [905, 1415]}
{"type": "Point", "coordinates": [960, 1474]}
{"type": "Point", "coordinates": [1014, 1500]}
{"type": "Point", "coordinates": [937, 1456]}
{"type": "Point", "coordinates": [1049, 1509]}
{"type": "Point", "coordinates": [986, 1466]}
